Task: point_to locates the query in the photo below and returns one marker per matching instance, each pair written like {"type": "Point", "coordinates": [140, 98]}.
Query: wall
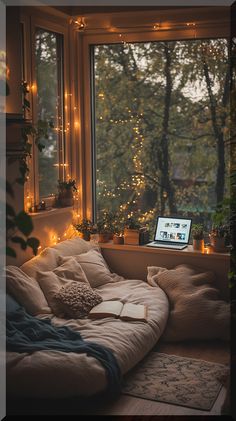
{"type": "Point", "coordinates": [132, 262]}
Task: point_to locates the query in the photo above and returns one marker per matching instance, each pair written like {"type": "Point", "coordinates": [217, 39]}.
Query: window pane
{"type": "Point", "coordinates": [48, 55]}
{"type": "Point", "coordinates": [161, 127]}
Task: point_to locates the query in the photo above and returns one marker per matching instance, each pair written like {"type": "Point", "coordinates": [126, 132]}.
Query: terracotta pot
{"type": "Point", "coordinates": [217, 243]}
{"type": "Point", "coordinates": [198, 245]}
{"type": "Point", "coordinates": [104, 237]}
{"type": "Point", "coordinates": [117, 239]}
{"type": "Point", "coordinates": [131, 236]}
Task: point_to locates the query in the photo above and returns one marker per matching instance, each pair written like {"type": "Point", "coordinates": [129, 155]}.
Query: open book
{"type": "Point", "coordinates": [127, 311]}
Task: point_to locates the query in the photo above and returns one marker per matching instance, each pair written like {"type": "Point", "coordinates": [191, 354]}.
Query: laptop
{"type": "Point", "coordinates": [171, 233]}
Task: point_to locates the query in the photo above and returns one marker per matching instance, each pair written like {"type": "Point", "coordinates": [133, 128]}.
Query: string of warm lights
{"type": "Point", "coordinates": [79, 24]}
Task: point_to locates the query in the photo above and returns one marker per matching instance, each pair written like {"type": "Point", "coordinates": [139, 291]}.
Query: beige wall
{"type": "Point", "coordinates": [48, 228]}
{"type": "Point", "coordinates": [132, 262]}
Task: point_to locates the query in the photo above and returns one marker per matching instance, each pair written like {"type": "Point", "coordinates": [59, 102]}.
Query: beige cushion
{"type": "Point", "coordinates": [26, 291]}
{"type": "Point", "coordinates": [52, 281]}
{"type": "Point", "coordinates": [73, 246]}
{"type": "Point", "coordinates": [76, 299]}
{"type": "Point", "coordinates": [72, 270]}
{"type": "Point", "coordinates": [47, 260]}
{"type": "Point", "coordinates": [94, 266]}
{"type": "Point", "coordinates": [196, 312]}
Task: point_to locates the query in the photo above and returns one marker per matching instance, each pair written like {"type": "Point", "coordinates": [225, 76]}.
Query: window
{"type": "Point", "coordinates": [49, 79]}
{"type": "Point", "coordinates": [161, 128]}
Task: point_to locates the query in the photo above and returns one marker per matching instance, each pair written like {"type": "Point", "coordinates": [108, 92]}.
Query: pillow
{"type": "Point", "coordinates": [196, 312]}
{"type": "Point", "coordinates": [46, 260]}
{"type": "Point", "coordinates": [77, 299]}
{"type": "Point", "coordinates": [94, 266]}
{"type": "Point", "coordinates": [71, 270]}
{"type": "Point", "coordinates": [73, 246]}
{"type": "Point", "coordinates": [52, 281]}
{"type": "Point", "coordinates": [26, 291]}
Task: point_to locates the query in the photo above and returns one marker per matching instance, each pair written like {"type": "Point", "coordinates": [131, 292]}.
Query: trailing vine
{"type": "Point", "coordinates": [19, 226]}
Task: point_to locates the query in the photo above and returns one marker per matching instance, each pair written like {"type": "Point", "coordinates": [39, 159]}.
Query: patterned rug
{"type": "Point", "coordinates": [176, 380]}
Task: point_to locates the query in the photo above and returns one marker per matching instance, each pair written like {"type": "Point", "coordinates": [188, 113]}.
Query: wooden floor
{"type": "Point", "coordinates": [130, 406]}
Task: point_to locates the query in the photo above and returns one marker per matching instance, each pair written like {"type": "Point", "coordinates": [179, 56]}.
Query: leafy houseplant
{"type": "Point", "coordinates": [217, 237]}
{"type": "Point", "coordinates": [220, 226]}
{"type": "Point", "coordinates": [65, 192]}
{"type": "Point", "coordinates": [19, 226]}
{"type": "Point", "coordinates": [131, 231]}
{"type": "Point", "coordinates": [85, 228]}
{"type": "Point", "coordinates": [198, 237]}
{"type": "Point", "coordinates": [105, 227]}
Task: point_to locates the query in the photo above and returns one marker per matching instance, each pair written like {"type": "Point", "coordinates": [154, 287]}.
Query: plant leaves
{"type": "Point", "coordinates": [34, 244]}
{"type": "Point", "coordinates": [10, 252]}
{"type": "Point", "coordinates": [24, 223]}
{"type": "Point", "coordinates": [40, 147]}
{"type": "Point", "coordinates": [21, 241]}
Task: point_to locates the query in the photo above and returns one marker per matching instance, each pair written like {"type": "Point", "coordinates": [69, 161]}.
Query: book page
{"type": "Point", "coordinates": [106, 308]}
{"type": "Point", "coordinates": [132, 311]}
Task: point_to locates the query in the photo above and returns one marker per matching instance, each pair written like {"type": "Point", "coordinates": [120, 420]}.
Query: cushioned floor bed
{"type": "Point", "coordinates": [55, 374]}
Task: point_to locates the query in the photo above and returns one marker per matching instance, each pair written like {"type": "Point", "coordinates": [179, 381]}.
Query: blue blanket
{"type": "Point", "coordinates": [25, 333]}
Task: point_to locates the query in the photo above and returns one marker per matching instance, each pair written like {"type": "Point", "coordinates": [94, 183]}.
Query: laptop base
{"type": "Point", "coordinates": [167, 246]}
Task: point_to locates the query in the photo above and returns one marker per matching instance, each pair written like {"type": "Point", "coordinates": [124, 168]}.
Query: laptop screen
{"type": "Point", "coordinates": [176, 230]}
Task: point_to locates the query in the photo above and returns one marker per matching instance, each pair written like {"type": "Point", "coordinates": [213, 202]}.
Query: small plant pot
{"type": "Point", "coordinates": [118, 239]}
{"type": "Point", "coordinates": [131, 236]}
{"type": "Point", "coordinates": [65, 198]}
{"type": "Point", "coordinates": [104, 237]}
{"type": "Point", "coordinates": [217, 243]}
{"type": "Point", "coordinates": [198, 245]}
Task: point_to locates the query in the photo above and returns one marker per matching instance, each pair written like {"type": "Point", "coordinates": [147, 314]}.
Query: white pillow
{"type": "Point", "coordinates": [71, 270]}
{"type": "Point", "coordinates": [26, 291]}
{"type": "Point", "coordinates": [73, 246]}
{"type": "Point", "coordinates": [52, 281]}
{"type": "Point", "coordinates": [46, 260]}
{"type": "Point", "coordinates": [94, 266]}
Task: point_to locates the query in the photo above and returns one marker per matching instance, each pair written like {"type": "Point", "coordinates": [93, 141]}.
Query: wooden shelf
{"type": "Point", "coordinates": [165, 251]}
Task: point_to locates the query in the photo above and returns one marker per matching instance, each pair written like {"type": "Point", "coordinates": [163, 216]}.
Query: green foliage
{"type": "Point", "coordinates": [106, 223]}
{"type": "Point", "coordinates": [21, 223]}
{"type": "Point", "coordinates": [197, 231]}
{"type": "Point", "coordinates": [133, 159]}
{"type": "Point", "coordinates": [85, 226]}
{"type": "Point", "coordinates": [221, 219]}
{"type": "Point", "coordinates": [67, 185]}
{"type": "Point", "coordinates": [131, 223]}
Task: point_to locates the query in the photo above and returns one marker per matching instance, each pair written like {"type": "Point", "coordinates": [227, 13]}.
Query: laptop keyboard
{"type": "Point", "coordinates": [172, 246]}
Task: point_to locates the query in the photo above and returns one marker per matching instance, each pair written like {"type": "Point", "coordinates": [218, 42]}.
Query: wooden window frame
{"type": "Point", "coordinates": [218, 26]}
{"type": "Point", "coordinates": [32, 19]}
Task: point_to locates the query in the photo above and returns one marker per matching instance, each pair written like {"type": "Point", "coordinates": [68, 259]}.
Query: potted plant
{"type": "Point", "coordinates": [104, 232]}
{"type": "Point", "coordinates": [220, 227]}
{"type": "Point", "coordinates": [198, 237]}
{"type": "Point", "coordinates": [84, 228]}
{"type": "Point", "coordinates": [65, 192]}
{"type": "Point", "coordinates": [131, 231]}
{"type": "Point", "coordinates": [217, 237]}
{"type": "Point", "coordinates": [105, 227]}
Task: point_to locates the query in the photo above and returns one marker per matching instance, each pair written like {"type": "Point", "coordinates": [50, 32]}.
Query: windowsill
{"type": "Point", "coordinates": [151, 250]}
{"type": "Point", "coordinates": [53, 211]}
